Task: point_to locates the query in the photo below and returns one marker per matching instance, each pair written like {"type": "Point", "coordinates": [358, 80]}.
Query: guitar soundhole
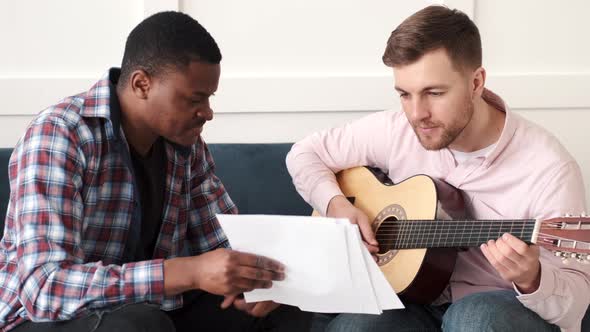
{"type": "Point", "coordinates": [384, 226]}
{"type": "Point", "coordinates": [383, 234]}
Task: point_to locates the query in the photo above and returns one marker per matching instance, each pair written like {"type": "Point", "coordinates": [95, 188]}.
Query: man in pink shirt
{"type": "Point", "coordinates": [453, 128]}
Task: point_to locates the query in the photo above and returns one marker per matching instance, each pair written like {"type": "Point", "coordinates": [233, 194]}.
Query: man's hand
{"type": "Point", "coordinates": [340, 207]}
{"type": "Point", "coordinates": [256, 309]}
{"type": "Point", "coordinates": [516, 261]}
{"type": "Point", "coordinates": [222, 272]}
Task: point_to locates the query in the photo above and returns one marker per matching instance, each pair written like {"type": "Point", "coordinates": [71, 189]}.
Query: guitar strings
{"type": "Point", "coordinates": [454, 222]}
{"type": "Point", "coordinates": [434, 232]}
{"type": "Point", "coordinates": [449, 229]}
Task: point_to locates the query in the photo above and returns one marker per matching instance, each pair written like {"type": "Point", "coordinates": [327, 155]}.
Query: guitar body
{"type": "Point", "coordinates": [417, 275]}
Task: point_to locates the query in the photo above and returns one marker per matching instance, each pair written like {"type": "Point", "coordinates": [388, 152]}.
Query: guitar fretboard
{"type": "Point", "coordinates": [411, 234]}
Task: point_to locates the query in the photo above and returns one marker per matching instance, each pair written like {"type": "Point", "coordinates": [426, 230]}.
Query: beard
{"type": "Point", "coordinates": [449, 132]}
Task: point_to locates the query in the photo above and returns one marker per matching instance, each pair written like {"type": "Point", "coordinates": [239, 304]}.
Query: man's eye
{"type": "Point", "coordinates": [436, 93]}
{"type": "Point", "coordinates": [403, 95]}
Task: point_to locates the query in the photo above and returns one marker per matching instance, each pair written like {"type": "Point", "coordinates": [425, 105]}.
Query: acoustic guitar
{"type": "Point", "coordinates": [420, 222]}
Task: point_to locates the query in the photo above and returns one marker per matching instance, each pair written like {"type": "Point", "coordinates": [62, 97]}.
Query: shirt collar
{"type": "Point", "coordinates": [510, 125]}
{"type": "Point", "coordinates": [98, 103]}
{"type": "Point", "coordinates": [114, 105]}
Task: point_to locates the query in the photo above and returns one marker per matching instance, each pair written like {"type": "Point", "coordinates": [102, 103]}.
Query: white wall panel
{"type": "Point", "coordinates": [304, 37]}
{"type": "Point", "coordinates": [64, 38]}
{"type": "Point", "coordinates": [539, 36]}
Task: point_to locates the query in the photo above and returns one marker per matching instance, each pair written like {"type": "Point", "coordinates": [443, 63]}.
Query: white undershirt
{"type": "Point", "coordinates": [461, 157]}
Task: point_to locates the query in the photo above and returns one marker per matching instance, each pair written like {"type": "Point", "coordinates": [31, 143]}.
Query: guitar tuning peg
{"type": "Point", "coordinates": [583, 214]}
{"type": "Point", "coordinates": [583, 258]}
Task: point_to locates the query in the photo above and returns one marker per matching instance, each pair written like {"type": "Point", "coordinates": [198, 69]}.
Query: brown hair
{"type": "Point", "coordinates": [432, 28]}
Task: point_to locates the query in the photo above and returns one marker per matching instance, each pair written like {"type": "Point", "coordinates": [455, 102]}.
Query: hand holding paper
{"type": "Point", "coordinates": [328, 269]}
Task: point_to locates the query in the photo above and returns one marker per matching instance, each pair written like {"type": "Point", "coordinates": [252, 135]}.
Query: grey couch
{"type": "Point", "coordinates": [257, 180]}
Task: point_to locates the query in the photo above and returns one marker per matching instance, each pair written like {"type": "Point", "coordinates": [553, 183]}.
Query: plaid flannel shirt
{"type": "Point", "coordinates": [74, 207]}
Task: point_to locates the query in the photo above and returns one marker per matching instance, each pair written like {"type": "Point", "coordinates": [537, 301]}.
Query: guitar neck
{"type": "Point", "coordinates": [410, 234]}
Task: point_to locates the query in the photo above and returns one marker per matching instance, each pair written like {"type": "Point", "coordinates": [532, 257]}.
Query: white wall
{"type": "Point", "coordinates": [294, 67]}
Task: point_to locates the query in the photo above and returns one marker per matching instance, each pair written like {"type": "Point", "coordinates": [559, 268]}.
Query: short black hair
{"type": "Point", "coordinates": [167, 40]}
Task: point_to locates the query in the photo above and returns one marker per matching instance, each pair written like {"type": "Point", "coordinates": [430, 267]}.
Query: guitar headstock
{"type": "Point", "coordinates": [567, 237]}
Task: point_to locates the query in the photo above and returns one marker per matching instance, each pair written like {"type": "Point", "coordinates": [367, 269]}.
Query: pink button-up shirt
{"type": "Point", "coordinates": [528, 174]}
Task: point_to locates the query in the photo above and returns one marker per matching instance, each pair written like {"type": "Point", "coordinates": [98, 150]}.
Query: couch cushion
{"type": "Point", "coordinates": [255, 176]}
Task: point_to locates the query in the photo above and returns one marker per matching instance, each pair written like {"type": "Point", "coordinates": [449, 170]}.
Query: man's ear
{"type": "Point", "coordinates": [478, 81]}
{"type": "Point", "coordinates": [140, 83]}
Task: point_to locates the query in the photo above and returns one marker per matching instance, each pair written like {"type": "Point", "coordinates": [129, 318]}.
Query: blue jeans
{"type": "Point", "coordinates": [488, 311]}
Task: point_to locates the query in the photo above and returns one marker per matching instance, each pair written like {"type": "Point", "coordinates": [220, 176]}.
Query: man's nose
{"type": "Point", "coordinates": [419, 110]}
{"type": "Point", "coordinates": [205, 112]}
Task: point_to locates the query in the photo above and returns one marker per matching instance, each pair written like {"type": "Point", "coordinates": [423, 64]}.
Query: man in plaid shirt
{"type": "Point", "coordinates": [113, 202]}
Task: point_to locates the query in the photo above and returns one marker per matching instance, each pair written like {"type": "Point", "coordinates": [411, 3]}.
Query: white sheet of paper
{"type": "Point", "coordinates": [326, 270]}
{"type": "Point", "coordinates": [291, 240]}
{"type": "Point", "coordinates": [386, 297]}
